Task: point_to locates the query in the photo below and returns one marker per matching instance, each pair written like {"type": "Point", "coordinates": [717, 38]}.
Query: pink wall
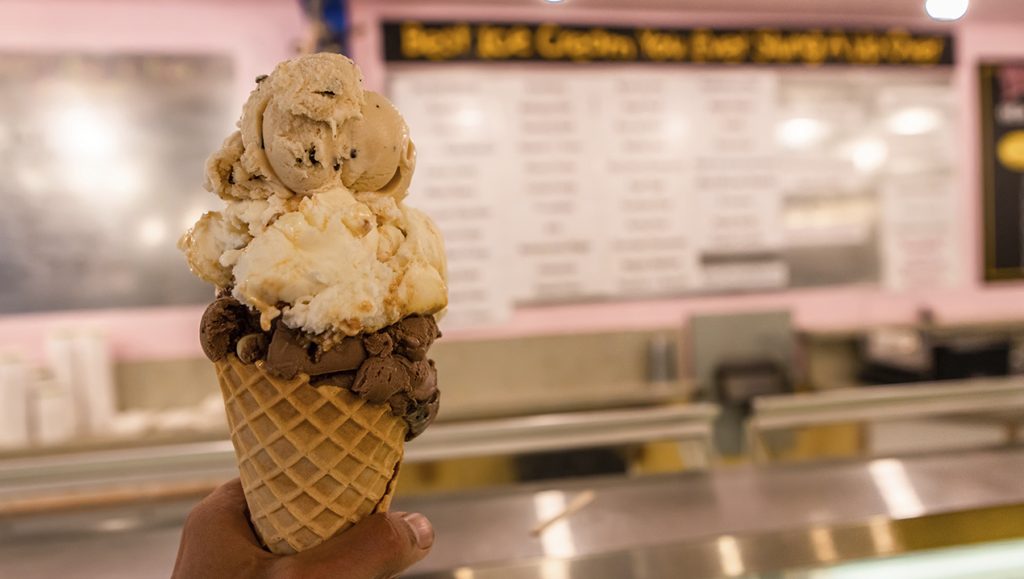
{"type": "Point", "coordinates": [255, 33]}
{"type": "Point", "coordinates": [258, 33]}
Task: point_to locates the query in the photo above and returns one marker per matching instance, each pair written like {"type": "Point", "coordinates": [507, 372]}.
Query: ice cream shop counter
{"type": "Point", "coordinates": [878, 518]}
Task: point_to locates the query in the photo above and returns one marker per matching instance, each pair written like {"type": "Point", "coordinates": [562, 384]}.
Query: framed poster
{"type": "Point", "coordinates": [1002, 126]}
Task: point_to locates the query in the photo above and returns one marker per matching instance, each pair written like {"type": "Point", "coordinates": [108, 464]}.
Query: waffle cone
{"type": "Point", "coordinates": [313, 460]}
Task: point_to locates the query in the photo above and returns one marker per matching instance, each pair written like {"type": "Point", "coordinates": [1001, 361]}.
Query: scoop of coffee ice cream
{"type": "Point", "coordinates": [298, 118]}
{"type": "Point", "coordinates": [382, 157]}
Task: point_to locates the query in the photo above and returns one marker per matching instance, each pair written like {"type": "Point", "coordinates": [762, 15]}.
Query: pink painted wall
{"type": "Point", "coordinates": [255, 33]}
{"type": "Point", "coordinates": [258, 33]}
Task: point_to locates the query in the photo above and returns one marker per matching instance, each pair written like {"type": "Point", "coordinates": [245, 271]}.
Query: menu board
{"type": "Point", "coordinates": [456, 152]}
{"type": "Point", "coordinates": [562, 184]}
{"type": "Point", "coordinates": [555, 256]}
{"type": "Point", "coordinates": [1002, 125]}
{"type": "Point", "coordinates": [736, 190]}
{"type": "Point", "coordinates": [646, 175]}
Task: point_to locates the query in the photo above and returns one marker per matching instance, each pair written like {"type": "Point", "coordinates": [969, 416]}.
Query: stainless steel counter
{"type": "Point", "coordinates": [725, 523]}
{"type": "Point", "coordinates": [690, 509]}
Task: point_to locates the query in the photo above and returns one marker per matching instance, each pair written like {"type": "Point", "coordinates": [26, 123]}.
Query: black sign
{"type": "Point", "coordinates": [1002, 126]}
{"type": "Point", "coordinates": [504, 42]}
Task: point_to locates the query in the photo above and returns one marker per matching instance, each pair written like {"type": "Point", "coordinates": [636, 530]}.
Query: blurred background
{"type": "Point", "coordinates": [735, 285]}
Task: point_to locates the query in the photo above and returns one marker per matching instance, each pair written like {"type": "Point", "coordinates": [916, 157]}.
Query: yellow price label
{"type": "Point", "coordinates": [1010, 151]}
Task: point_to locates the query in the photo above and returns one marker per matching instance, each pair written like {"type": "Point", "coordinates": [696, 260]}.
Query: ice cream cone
{"type": "Point", "coordinates": [327, 288]}
{"type": "Point", "coordinates": [313, 460]}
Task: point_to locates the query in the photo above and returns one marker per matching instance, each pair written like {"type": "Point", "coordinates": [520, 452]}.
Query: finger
{"type": "Point", "coordinates": [381, 545]}
{"type": "Point", "coordinates": [217, 540]}
{"type": "Point", "coordinates": [223, 517]}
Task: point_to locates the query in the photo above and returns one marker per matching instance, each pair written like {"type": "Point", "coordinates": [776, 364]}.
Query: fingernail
{"type": "Point", "coordinates": [421, 529]}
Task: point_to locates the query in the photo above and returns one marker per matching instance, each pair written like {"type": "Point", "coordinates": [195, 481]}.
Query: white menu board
{"type": "Point", "coordinates": [918, 218]}
{"type": "Point", "coordinates": [918, 205]}
{"type": "Point", "coordinates": [737, 192]}
{"type": "Point", "coordinates": [646, 179]}
{"type": "Point", "coordinates": [551, 192]}
{"type": "Point", "coordinates": [567, 184]}
{"type": "Point", "coordinates": [458, 161]}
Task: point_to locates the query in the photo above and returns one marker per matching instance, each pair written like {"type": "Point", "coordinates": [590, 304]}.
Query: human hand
{"type": "Point", "coordinates": [219, 543]}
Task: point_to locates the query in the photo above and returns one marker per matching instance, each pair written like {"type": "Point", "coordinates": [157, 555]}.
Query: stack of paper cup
{"type": "Point", "coordinates": [96, 380]}
{"type": "Point", "coordinates": [81, 362]}
{"type": "Point", "coordinates": [61, 392]}
{"type": "Point", "coordinates": [14, 402]}
{"type": "Point", "coordinates": [53, 411]}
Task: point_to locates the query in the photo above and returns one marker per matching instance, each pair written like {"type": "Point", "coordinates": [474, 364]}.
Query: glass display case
{"type": "Point", "coordinates": [961, 513]}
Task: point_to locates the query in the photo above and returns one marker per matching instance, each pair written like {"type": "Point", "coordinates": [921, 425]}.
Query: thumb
{"type": "Point", "coordinates": [381, 545]}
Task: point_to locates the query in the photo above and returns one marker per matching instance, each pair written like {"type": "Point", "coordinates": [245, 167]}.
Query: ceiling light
{"type": "Point", "coordinates": [469, 118]}
{"type": "Point", "coordinates": [868, 154]}
{"type": "Point", "coordinates": [946, 9]}
{"type": "Point", "coordinates": [801, 133]}
{"type": "Point", "coordinates": [914, 121]}
{"type": "Point", "coordinates": [81, 130]}
{"type": "Point", "coordinates": [152, 232]}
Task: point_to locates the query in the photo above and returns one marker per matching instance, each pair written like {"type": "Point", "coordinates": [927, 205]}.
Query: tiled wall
{"type": "Point", "coordinates": [521, 376]}
{"type": "Point", "coordinates": [164, 384]}
{"type": "Point", "coordinates": [483, 378]}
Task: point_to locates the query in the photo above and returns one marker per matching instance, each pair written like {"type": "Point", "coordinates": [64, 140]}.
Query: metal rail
{"type": "Point", "coordinates": [165, 469]}
{"type": "Point", "coordinates": [1003, 397]}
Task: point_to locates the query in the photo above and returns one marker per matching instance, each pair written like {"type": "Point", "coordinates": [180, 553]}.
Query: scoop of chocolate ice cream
{"type": "Point", "coordinates": [421, 415]}
{"type": "Point", "coordinates": [224, 322]}
{"type": "Point", "coordinates": [252, 347]}
{"type": "Point", "coordinates": [414, 335]}
{"type": "Point", "coordinates": [389, 366]}
{"type": "Point", "coordinates": [419, 406]}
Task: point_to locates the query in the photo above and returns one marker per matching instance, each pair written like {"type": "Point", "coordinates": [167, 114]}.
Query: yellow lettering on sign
{"type": "Point", "coordinates": [768, 46]}
{"type": "Point", "coordinates": [813, 47]}
{"type": "Point", "coordinates": [810, 47]}
{"type": "Point", "coordinates": [904, 48]}
{"type": "Point", "coordinates": [556, 43]}
{"type": "Point", "coordinates": [544, 41]}
{"type": "Point", "coordinates": [661, 46]}
{"type": "Point", "coordinates": [840, 47]}
{"type": "Point", "coordinates": [441, 43]}
{"type": "Point", "coordinates": [502, 42]}
{"type": "Point", "coordinates": [729, 47]}
{"type": "Point", "coordinates": [928, 50]}
{"type": "Point", "coordinates": [900, 47]}
{"type": "Point", "coordinates": [866, 50]}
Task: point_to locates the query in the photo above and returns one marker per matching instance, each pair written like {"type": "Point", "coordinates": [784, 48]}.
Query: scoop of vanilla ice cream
{"type": "Point", "coordinates": [255, 215]}
{"type": "Point", "coordinates": [207, 242]}
{"type": "Point", "coordinates": [315, 230]}
{"type": "Point", "coordinates": [422, 287]}
{"type": "Point", "coordinates": [322, 260]}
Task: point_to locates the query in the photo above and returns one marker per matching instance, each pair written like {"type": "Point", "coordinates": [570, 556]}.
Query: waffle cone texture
{"type": "Point", "coordinates": [313, 460]}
